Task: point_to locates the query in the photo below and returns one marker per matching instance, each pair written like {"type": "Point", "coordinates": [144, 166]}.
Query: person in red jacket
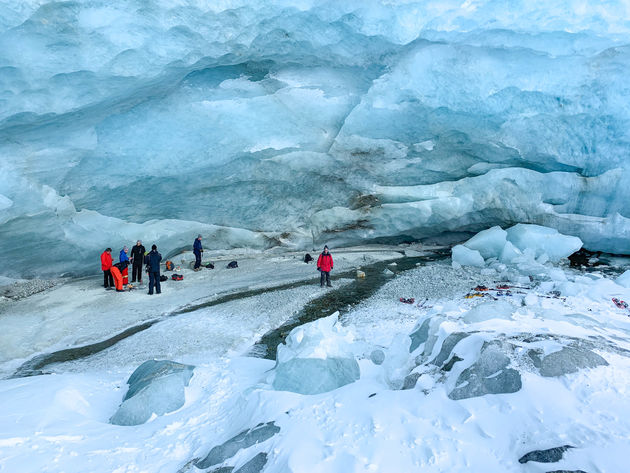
{"type": "Point", "coordinates": [106, 266]}
{"type": "Point", "coordinates": [325, 265]}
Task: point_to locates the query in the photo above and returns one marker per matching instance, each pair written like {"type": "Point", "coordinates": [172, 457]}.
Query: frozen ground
{"type": "Point", "coordinates": [82, 312]}
{"type": "Point", "coordinates": [59, 422]}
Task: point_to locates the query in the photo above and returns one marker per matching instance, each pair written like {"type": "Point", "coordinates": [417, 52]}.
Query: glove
{"type": "Point", "coordinates": [319, 269]}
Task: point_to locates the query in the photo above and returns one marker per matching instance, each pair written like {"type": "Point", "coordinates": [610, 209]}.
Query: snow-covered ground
{"type": "Point", "coordinates": [412, 412]}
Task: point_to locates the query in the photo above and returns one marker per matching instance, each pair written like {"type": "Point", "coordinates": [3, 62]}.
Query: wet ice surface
{"type": "Point", "coordinates": [444, 384]}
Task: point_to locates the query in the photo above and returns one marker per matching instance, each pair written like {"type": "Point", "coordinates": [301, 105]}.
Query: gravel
{"type": "Point", "coordinates": [22, 289]}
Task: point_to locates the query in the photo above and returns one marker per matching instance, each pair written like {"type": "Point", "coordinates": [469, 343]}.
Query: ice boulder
{"type": "Point", "coordinates": [543, 240]}
{"type": "Point", "coordinates": [488, 375]}
{"type": "Point", "coordinates": [155, 387]}
{"type": "Point", "coordinates": [624, 279]}
{"type": "Point", "coordinates": [489, 243]}
{"type": "Point", "coordinates": [316, 358]}
{"type": "Point", "coordinates": [466, 257]}
{"type": "Point", "coordinates": [509, 253]}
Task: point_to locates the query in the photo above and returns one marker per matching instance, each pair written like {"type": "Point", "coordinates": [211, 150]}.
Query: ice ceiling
{"type": "Point", "coordinates": [301, 123]}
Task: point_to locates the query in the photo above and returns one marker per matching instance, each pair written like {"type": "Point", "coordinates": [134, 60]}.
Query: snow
{"type": "Point", "coordinates": [508, 378]}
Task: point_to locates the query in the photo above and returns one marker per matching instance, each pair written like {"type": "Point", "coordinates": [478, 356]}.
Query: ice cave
{"type": "Point", "coordinates": [466, 162]}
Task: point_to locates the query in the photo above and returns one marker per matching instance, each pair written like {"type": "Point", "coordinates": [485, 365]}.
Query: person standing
{"type": "Point", "coordinates": [137, 258]}
{"type": "Point", "coordinates": [153, 262]}
{"type": "Point", "coordinates": [197, 250]}
{"type": "Point", "coordinates": [123, 258]}
{"type": "Point", "coordinates": [325, 265]}
{"type": "Point", "coordinates": [106, 266]}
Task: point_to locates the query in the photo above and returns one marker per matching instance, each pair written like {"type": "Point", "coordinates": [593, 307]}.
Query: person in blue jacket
{"type": "Point", "coordinates": [197, 250]}
{"type": "Point", "coordinates": [152, 260]}
{"type": "Point", "coordinates": [123, 258]}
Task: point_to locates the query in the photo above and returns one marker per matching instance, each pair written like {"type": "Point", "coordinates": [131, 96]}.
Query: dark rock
{"type": "Point", "coordinates": [567, 471]}
{"type": "Point", "coordinates": [550, 455]}
{"type": "Point", "coordinates": [447, 347]}
{"type": "Point", "coordinates": [569, 360]}
{"type": "Point", "coordinates": [488, 375]}
{"type": "Point", "coordinates": [243, 440]}
{"type": "Point", "coordinates": [410, 381]}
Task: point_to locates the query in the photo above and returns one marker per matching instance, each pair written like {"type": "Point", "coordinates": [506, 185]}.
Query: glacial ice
{"type": "Point", "coordinates": [272, 123]}
{"type": "Point", "coordinates": [466, 257]}
{"type": "Point", "coordinates": [155, 387]}
{"type": "Point", "coordinates": [522, 243]}
{"type": "Point", "coordinates": [316, 358]}
{"type": "Point", "coordinates": [544, 240]}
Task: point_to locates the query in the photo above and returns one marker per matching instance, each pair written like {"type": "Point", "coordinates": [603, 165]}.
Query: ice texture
{"type": "Point", "coordinates": [522, 243]}
{"type": "Point", "coordinates": [569, 360]}
{"type": "Point", "coordinates": [466, 257]}
{"type": "Point", "coordinates": [489, 243]}
{"type": "Point", "coordinates": [488, 375]}
{"type": "Point", "coordinates": [243, 440]}
{"type": "Point", "coordinates": [543, 240]}
{"type": "Point", "coordinates": [316, 358]}
{"type": "Point", "coordinates": [155, 387]}
{"type": "Point", "coordinates": [308, 122]}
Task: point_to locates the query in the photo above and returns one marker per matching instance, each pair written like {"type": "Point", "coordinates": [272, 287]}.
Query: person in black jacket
{"type": "Point", "coordinates": [153, 262]}
{"type": "Point", "coordinates": [137, 258]}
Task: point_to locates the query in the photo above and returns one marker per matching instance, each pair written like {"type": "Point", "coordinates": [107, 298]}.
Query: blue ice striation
{"type": "Point", "coordinates": [276, 123]}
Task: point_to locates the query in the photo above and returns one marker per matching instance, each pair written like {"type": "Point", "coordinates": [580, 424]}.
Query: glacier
{"type": "Point", "coordinates": [276, 123]}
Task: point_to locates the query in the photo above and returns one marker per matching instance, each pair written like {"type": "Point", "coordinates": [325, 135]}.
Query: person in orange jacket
{"type": "Point", "coordinates": [117, 273]}
{"type": "Point", "coordinates": [106, 266]}
{"type": "Point", "coordinates": [325, 265]}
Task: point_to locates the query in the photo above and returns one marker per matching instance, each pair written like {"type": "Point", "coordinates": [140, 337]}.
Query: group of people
{"type": "Point", "coordinates": [116, 275]}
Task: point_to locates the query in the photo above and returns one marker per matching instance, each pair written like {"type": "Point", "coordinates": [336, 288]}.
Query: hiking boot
{"type": "Point", "coordinates": [119, 290]}
{"type": "Point", "coordinates": [329, 285]}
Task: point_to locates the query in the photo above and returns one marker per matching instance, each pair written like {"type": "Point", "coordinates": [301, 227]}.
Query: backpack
{"type": "Point", "coordinates": [232, 264]}
{"type": "Point", "coordinates": [169, 265]}
{"type": "Point", "coordinates": [177, 277]}
{"type": "Point", "coordinates": [163, 278]}
{"type": "Point", "coordinates": [307, 258]}
{"type": "Point", "coordinates": [210, 266]}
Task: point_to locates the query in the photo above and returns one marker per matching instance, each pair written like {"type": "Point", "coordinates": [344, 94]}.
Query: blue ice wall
{"type": "Point", "coordinates": [296, 123]}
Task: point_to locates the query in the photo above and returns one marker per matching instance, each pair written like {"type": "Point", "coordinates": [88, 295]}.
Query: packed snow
{"type": "Point", "coordinates": [533, 368]}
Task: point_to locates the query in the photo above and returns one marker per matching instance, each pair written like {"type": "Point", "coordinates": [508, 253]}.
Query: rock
{"type": "Point", "coordinates": [241, 441]}
{"type": "Point", "coordinates": [550, 455]}
{"type": "Point", "coordinates": [569, 360]}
